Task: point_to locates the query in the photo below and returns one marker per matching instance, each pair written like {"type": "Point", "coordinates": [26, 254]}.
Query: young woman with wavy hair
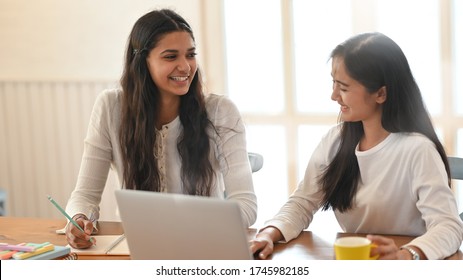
{"type": "Point", "coordinates": [160, 132]}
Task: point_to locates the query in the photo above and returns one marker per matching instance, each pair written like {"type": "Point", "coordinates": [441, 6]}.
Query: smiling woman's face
{"type": "Point", "coordinates": [172, 63]}
{"type": "Point", "coordinates": [357, 104]}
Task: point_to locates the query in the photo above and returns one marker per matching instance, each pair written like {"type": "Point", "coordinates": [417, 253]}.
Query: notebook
{"type": "Point", "coordinates": [181, 227]}
{"type": "Point", "coordinates": [105, 245]}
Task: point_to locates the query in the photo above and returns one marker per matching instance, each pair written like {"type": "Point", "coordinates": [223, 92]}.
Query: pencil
{"type": "Point", "coordinates": [115, 243]}
{"type": "Point", "coordinates": [66, 215]}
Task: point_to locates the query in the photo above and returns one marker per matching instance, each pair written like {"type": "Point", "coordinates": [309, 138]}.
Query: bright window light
{"type": "Point", "coordinates": [255, 55]}
{"type": "Point", "coordinates": [315, 35]}
{"type": "Point", "coordinates": [419, 37]}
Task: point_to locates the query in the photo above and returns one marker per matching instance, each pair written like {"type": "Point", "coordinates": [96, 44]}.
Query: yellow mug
{"type": "Point", "coordinates": [353, 248]}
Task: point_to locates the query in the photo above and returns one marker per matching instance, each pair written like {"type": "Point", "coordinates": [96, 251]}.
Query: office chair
{"type": "Point", "coordinates": [456, 170]}
{"type": "Point", "coordinates": [2, 202]}
{"type": "Point", "coordinates": [256, 161]}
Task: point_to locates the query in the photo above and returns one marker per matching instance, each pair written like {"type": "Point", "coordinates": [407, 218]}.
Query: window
{"type": "Point", "coordinates": [457, 96]}
{"type": "Point", "coordinates": [315, 35]}
{"type": "Point", "coordinates": [419, 39]}
{"type": "Point", "coordinates": [457, 58]}
{"type": "Point", "coordinates": [278, 73]}
{"type": "Point", "coordinates": [254, 56]}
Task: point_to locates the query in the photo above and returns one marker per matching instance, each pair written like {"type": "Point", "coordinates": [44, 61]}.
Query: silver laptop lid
{"type": "Point", "coordinates": [181, 227]}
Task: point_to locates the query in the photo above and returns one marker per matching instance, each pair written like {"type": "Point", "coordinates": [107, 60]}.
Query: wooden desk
{"type": "Point", "coordinates": [16, 230]}
{"type": "Point", "coordinates": [308, 246]}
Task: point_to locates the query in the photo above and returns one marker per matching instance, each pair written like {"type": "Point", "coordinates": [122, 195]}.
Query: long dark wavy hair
{"type": "Point", "coordinates": [140, 102]}
{"type": "Point", "coordinates": [374, 60]}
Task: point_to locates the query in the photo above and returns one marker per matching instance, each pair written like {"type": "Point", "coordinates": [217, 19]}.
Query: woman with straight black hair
{"type": "Point", "coordinates": [160, 132]}
{"type": "Point", "coordinates": [382, 169]}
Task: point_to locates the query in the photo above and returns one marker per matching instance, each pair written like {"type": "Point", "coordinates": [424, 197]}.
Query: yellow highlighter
{"type": "Point", "coordinates": [42, 248]}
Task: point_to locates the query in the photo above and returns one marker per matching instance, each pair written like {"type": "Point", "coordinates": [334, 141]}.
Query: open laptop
{"type": "Point", "coordinates": [181, 227]}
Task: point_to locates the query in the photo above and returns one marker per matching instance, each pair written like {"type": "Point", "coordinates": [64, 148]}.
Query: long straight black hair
{"type": "Point", "coordinates": [140, 102]}
{"type": "Point", "coordinates": [374, 60]}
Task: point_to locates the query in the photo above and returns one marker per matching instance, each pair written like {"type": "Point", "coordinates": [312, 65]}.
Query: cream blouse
{"type": "Point", "coordinates": [228, 156]}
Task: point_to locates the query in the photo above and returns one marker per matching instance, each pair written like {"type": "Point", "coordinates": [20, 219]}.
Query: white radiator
{"type": "Point", "coordinates": [42, 128]}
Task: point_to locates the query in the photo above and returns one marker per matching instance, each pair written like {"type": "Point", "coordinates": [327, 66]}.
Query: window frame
{"type": "Point", "coordinates": [448, 122]}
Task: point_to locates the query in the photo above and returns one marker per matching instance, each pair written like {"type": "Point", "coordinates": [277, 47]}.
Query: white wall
{"type": "Point", "coordinates": [73, 40]}
{"type": "Point", "coordinates": [55, 57]}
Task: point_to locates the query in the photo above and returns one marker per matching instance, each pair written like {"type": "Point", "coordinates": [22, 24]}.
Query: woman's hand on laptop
{"type": "Point", "coordinates": [75, 237]}
{"type": "Point", "coordinates": [263, 242]}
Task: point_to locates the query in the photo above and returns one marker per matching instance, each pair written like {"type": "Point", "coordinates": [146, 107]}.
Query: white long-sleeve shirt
{"type": "Point", "coordinates": [403, 190]}
{"type": "Point", "coordinates": [228, 156]}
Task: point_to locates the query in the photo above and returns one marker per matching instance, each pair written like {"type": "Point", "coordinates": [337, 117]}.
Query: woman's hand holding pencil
{"type": "Point", "coordinates": [77, 238]}
{"type": "Point", "coordinates": [79, 230]}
